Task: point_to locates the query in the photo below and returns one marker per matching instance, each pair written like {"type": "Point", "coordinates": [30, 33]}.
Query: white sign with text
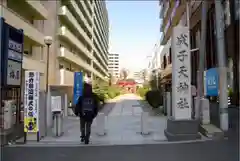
{"type": "Point", "coordinates": [14, 73]}
{"type": "Point", "coordinates": [31, 101]}
{"type": "Point", "coordinates": [181, 74]}
{"type": "Point", "coordinates": [56, 103]}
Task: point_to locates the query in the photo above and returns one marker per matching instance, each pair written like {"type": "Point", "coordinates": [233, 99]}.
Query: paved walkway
{"type": "Point", "coordinates": [123, 125]}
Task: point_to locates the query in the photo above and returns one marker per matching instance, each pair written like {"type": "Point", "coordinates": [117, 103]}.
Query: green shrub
{"type": "Point", "coordinates": [113, 91]}
{"type": "Point", "coordinates": [154, 98]}
{"type": "Point", "coordinates": [103, 90]}
{"type": "Point", "coordinates": [141, 91]}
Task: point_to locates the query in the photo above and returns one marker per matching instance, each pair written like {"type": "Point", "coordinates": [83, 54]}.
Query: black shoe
{"type": "Point", "coordinates": [86, 141]}
{"type": "Point", "coordinates": [82, 139]}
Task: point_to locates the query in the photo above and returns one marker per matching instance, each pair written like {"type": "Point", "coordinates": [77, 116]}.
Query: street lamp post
{"type": "Point", "coordinates": [48, 41]}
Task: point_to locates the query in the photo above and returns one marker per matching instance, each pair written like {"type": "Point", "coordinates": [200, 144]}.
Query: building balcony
{"type": "Point", "coordinates": [89, 5]}
{"type": "Point", "coordinates": [99, 66]}
{"type": "Point", "coordinates": [174, 18]}
{"type": "Point", "coordinates": [96, 37]}
{"type": "Point", "coordinates": [66, 16]}
{"type": "Point", "coordinates": [73, 58]}
{"type": "Point", "coordinates": [66, 35]}
{"type": "Point", "coordinates": [66, 78]}
{"type": "Point", "coordinates": [100, 57]}
{"type": "Point", "coordinates": [100, 53]}
{"type": "Point", "coordinates": [85, 5]}
{"type": "Point", "coordinates": [98, 74]}
{"type": "Point", "coordinates": [32, 64]}
{"type": "Point", "coordinates": [164, 6]}
{"type": "Point", "coordinates": [30, 7]}
{"type": "Point", "coordinates": [31, 34]}
{"type": "Point", "coordinates": [74, 5]}
{"type": "Point", "coordinates": [168, 7]}
{"type": "Point", "coordinates": [179, 9]}
{"type": "Point", "coordinates": [37, 9]}
{"type": "Point", "coordinates": [166, 71]}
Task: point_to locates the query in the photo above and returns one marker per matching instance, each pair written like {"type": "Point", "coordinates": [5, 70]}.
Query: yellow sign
{"type": "Point", "coordinates": [30, 124]}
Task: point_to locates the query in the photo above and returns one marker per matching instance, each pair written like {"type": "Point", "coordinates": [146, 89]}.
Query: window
{"type": "Point", "coordinates": [170, 55]}
{"type": "Point", "coordinates": [41, 53]}
{"type": "Point", "coordinates": [164, 61]}
{"type": "Point", "coordinates": [28, 49]}
{"type": "Point", "coordinates": [32, 20]}
{"type": "Point", "coordinates": [61, 66]}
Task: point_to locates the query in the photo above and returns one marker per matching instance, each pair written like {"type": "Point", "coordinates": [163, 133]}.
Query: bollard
{"type": "Point", "coordinates": [144, 123]}
{"type": "Point", "coordinates": [205, 111]}
{"type": "Point", "coordinates": [100, 124]}
{"type": "Point", "coordinates": [169, 105]}
{"type": "Point", "coordinates": [57, 124]}
{"type": "Point", "coordinates": [197, 109]}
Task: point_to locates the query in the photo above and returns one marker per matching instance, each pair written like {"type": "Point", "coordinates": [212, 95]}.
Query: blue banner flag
{"type": "Point", "coordinates": [212, 82]}
{"type": "Point", "coordinates": [78, 86]}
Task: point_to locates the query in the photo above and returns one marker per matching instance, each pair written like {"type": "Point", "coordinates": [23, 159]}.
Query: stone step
{"type": "Point", "coordinates": [211, 131]}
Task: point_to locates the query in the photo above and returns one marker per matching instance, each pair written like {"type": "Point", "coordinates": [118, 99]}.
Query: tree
{"type": "Point", "coordinates": [124, 74]}
{"type": "Point", "coordinates": [112, 79]}
{"type": "Point", "coordinates": [144, 75]}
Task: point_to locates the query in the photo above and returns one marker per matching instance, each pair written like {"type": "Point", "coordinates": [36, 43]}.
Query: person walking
{"type": "Point", "coordinates": [87, 109]}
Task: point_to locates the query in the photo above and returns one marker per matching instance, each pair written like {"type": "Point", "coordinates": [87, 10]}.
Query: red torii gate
{"type": "Point", "coordinates": [128, 85]}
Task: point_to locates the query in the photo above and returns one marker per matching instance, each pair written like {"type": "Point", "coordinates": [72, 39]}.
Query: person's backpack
{"type": "Point", "coordinates": [88, 105]}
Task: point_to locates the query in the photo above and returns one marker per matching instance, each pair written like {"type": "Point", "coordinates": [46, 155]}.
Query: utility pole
{"type": "Point", "coordinates": [201, 67]}
{"type": "Point", "coordinates": [222, 64]}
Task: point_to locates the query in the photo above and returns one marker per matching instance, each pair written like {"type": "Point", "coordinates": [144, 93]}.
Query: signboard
{"type": "Point", "coordinates": [212, 82]}
{"type": "Point", "coordinates": [77, 87]}
{"type": "Point", "coordinates": [31, 101]}
{"type": "Point", "coordinates": [56, 103]}
{"type": "Point", "coordinates": [181, 74]}
{"type": "Point", "coordinates": [14, 73]}
{"type": "Point", "coordinates": [12, 55]}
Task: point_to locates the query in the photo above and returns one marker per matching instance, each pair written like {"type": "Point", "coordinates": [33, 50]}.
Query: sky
{"type": "Point", "coordinates": [134, 30]}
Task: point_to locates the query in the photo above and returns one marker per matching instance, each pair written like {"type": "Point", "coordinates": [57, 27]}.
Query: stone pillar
{"type": "Point", "coordinates": [180, 125]}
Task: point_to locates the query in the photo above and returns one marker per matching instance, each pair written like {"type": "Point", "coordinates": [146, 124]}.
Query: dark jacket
{"type": "Point", "coordinates": [87, 92]}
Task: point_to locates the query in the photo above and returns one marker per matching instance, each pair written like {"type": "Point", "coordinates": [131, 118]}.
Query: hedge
{"type": "Point", "coordinates": [154, 98]}
{"type": "Point", "coordinates": [104, 91]}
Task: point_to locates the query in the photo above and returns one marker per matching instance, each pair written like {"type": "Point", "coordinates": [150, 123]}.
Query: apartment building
{"type": "Point", "coordinates": [113, 64]}
{"type": "Point", "coordinates": [28, 16]}
{"type": "Point", "coordinates": [80, 31]}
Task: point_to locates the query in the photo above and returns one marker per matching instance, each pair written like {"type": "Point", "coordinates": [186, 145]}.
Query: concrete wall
{"type": "Point", "coordinates": [51, 27]}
